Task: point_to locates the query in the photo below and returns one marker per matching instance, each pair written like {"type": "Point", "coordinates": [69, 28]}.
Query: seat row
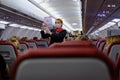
{"type": "Point", "coordinates": [68, 60]}
{"type": "Point", "coordinates": [112, 50]}
{"type": "Point", "coordinates": [9, 51]}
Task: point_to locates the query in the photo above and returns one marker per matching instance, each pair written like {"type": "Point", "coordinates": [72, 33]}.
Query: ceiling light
{"type": "Point", "coordinates": [30, 28]}
{"type": "Point", "coordinates": [101, 15]}
{"type": "Point", "coordinates": [4, 22]}
{"type": "Point", "coordinates": [74, 24]}
{"type": "Point", "coordinates": [116, 20]}
{"type": "Point", "coordinates": [24, 27]}
{"type": "Point", "coordinates": [14, 25]}
{"type": "Point", "coordinates": [41, 1]}
{"type": "Point", "coordinates": [113, 5]}
{"type": "Point", "coordinates": [36, 29]}
{"type": "Point", "coordinates": [109, 24]}
{"type": "Point", "coordinates": [75, 0]}
{"type": "Point", "coordinates": [108, 5]}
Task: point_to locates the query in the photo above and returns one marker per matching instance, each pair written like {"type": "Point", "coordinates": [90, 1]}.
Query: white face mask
{"type": "Point", "coordinates": [57, 25]}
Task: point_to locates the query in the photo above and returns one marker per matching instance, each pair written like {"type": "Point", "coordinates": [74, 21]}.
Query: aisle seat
{"type": "Point", "coordinates": [63, 64]}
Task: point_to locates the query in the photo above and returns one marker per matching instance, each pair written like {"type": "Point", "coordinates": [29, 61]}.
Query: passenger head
{"type": "Point", "coordinates": [111, 39]}
{"type": "Point", "coordinates": [14, 40]}
{"type": "Point", "coordinates": [82, 37]}
{"type": "Point", "coordinates": [35, 38]}
{"type": "Point", "coordinates": [24, 38]}
{"type": "Point", "coordinates": [58, 23]}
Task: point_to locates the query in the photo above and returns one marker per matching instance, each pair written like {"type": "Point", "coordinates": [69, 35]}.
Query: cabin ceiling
{"type": "Point", "coordinates": [96, 13]}
{"type": "Point", "coordinates": [68, 10]}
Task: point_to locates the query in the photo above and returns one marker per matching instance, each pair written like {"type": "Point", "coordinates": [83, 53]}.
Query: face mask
{"type": "Point", "coordinates": [57, 25]}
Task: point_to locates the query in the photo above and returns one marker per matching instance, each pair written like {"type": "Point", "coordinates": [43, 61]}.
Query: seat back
{"type": "Point", "coordinates": [32, 43]}
{"type": "Point", "coordinates": [79, 41]}
{"type": "Point", "coordinates": [113, 50]}
{"type": "Point", "coordinates": [23, 46]}
{"type": "Point", "coordinates": [72, 44]}
{"type": "Point", "coordinates": [98, 43]}
{"type": "Point", "coordinates": [9, 52]}
{"type": "Point", "coordinates": [94, 42]}
{"type": "Point", "coordinates": [117, 67]}
{"type": "Point", "coordinates": [42, 43]}
{"type": "Point", "coordinates": [63, 64]}
{"type": "Point", "coordinates": [102, 44]}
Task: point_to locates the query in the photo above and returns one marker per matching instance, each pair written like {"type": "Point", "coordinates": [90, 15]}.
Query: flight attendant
{"type": "Point", "coordinates": [57, 34]}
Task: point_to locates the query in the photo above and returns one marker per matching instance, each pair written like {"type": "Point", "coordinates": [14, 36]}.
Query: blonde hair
{"type": "Point", "coordinates": [111, 39]}
{"type": "Point", "coordinates": [82, 37]}
{"type": "Point", "coordinates": [60, 20]}
{"type": "Point", "coordinates": [14, 40]}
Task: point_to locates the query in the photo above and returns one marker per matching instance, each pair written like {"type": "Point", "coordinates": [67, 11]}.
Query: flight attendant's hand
{"type": "Point", "coordinates": [46, 29]}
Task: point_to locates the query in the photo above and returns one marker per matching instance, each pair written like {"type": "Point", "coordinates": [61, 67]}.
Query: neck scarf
{"type": "Point", "coordinates": [58, 29]}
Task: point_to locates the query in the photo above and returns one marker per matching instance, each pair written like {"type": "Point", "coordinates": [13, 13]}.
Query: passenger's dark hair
{"type": "Point", "coordinates": [85, 37]}
{"type": "Point", "coordinates": [35, 38]}
{"type": "Point", "coordinates": [3, 71]}
{"type": "Point", "coordinates": [81, 32]}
